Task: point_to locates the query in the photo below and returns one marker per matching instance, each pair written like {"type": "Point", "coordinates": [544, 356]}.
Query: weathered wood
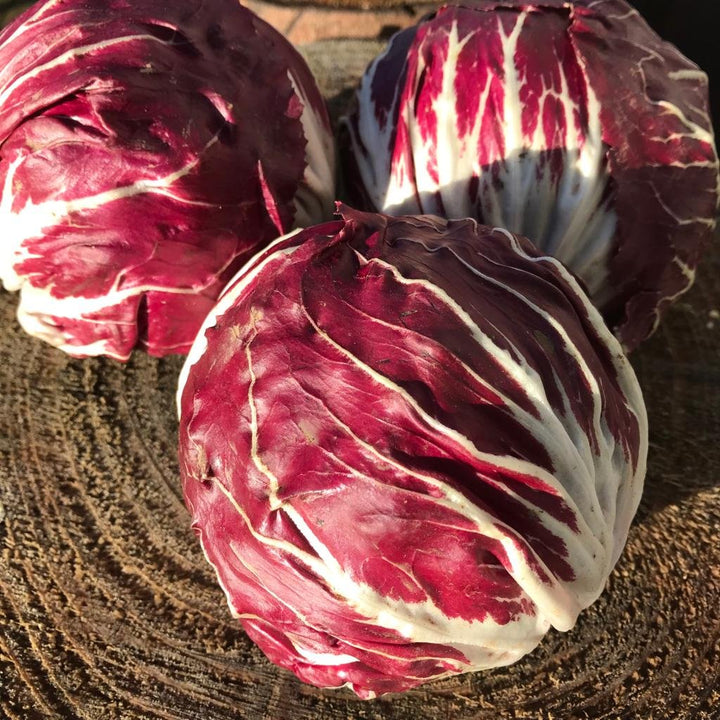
{"type": "Point", "coordinates": [108, 609]}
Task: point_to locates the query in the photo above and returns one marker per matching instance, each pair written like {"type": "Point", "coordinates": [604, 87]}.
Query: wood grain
{"type": "Point", "coordinates": [108, 609]}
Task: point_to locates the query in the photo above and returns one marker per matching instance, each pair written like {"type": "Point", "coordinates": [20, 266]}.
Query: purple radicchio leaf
{"type": "Point", "coordinates": [571, 123]}
{"type": "Point", "coordinates": [146, 151]}
{"type": "Point", "coordinates": [410, 446]}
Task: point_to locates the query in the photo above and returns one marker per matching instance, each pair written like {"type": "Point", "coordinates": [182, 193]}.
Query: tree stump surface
{"type": "Point", "coordinates": [109, 610]}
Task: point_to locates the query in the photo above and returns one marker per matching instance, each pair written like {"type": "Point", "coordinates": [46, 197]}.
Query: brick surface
{"type": "Point", "coordinates": [303, 25]}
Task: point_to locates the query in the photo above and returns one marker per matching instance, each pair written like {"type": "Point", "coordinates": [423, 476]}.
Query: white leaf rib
{"type": "Point", "coordinates": [28, 25]}
{"type": "Point", "coordinates": [544, 598]}
{"type": "Point", "coordinates": [546, 428]}
{"type": "Point", "coordinates": [7, 90]}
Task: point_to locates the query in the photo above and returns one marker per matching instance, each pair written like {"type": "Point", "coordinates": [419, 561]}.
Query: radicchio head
{"type": "Point", "coordinates": [572, 123]}
{"type": "Point", "coordinates": [146, 151]}
{"type": "Point", "coordinates": [410, 447]}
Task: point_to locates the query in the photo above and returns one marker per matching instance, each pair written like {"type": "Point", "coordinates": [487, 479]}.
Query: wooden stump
{"type": "Point", "coordinates": [109, 610]}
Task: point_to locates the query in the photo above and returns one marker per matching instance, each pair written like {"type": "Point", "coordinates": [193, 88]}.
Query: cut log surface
{"type": "Point", "coordinates": [109, 610]}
